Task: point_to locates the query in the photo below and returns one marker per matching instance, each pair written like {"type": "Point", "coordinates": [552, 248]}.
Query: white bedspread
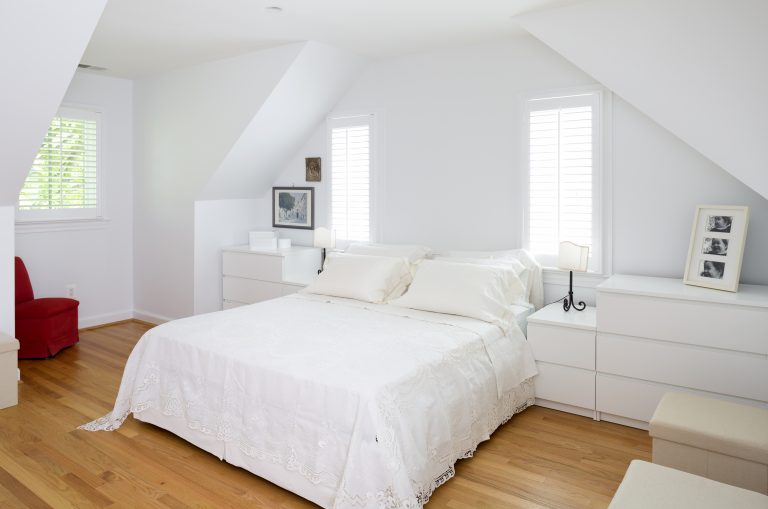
{"type": "Point", "coordinates": [345, 403]}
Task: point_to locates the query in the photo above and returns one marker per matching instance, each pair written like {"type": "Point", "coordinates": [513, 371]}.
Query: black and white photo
{"type": "Point", "coordinates": [720, 224]}
{"type": "Point", "coordinates": [712, 269]}
{"type": "Point", "coordinates": [293, 207]}
{"type": "Point", "coordinates": [715, 246]}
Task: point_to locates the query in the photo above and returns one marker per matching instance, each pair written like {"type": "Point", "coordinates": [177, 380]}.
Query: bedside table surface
{"type": "Point", "coordinates": [556, 316]}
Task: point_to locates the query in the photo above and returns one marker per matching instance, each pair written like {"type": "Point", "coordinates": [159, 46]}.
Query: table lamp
{"type": "Point", "coordinates": [572, 257]}
{"type": "Point", "coordinates": [325, 239]}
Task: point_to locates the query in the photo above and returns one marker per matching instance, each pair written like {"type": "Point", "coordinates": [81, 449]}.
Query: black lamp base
{"type": "Point", "coordinates": [322, 262]}
{"type": "Point", "coordinates": [568, 303]}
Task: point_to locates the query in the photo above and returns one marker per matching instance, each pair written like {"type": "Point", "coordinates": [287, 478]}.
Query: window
{"type": "Point", "coordinates": [351, 177]}
{"type": "Point", "coordinates": [64, 180]}
{"type": "Point", "coordinates": [564, 175]}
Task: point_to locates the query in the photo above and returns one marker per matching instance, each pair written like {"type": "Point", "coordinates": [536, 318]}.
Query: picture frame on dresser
{"type": "Point", "coordinates": [293, 207]}
{"type": "Point", "coordinates": [716, 247]}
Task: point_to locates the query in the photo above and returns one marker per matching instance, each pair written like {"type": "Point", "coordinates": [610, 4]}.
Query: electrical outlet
{"type": "Point", "coordinates": [71, 288]}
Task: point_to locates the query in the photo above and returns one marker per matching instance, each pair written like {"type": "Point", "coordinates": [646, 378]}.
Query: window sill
{"type": "Point", "coordinates": [59, 225]}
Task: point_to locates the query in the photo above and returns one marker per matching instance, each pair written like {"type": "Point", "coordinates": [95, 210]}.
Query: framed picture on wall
{"type": "Point", "coordinates": [717, 247]}
{"type": "Point", "coordinates": [293, 207]}
{"type": "Point", "coordinates": [313, 169]}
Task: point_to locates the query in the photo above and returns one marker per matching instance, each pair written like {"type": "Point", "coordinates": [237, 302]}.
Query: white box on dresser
{"type": "Point", "coordinates": [656, 335]}
{"type": "Point", "coordinates": [563, 344]}
{"type": "Point", "coordinates": [251, 276]}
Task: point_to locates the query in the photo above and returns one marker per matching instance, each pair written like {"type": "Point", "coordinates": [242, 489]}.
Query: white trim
{"type": "Point", "coordinates": [558, 277]}
{"type": "Point", "coordinates": [106, 318]}
{"type": "Point", "coordinates": [146, 316]}
{"type": "Point", "coordinates": [57, 225]}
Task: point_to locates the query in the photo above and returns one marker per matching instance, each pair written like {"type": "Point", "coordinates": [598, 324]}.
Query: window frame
{"type": "Point", "coordinates": [376, 177]}
{"type": "Point", "coordinates": [602, 177]}
{"type": "Point", "coordinates": [77, 218]}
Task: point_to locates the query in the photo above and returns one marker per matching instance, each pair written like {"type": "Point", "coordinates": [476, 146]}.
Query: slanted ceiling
{"type": "Point", "coordinates": [41, 43]}
{"type": "Point", "coordinates": [697, 67]}
{"type": "Point", "coordinates": [311, 86]}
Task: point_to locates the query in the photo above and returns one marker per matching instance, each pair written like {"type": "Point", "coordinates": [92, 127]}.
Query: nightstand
{"type": "Point", "coordinates": [251, 276]}
{"type": "Point", "coordinates": [563, 344]}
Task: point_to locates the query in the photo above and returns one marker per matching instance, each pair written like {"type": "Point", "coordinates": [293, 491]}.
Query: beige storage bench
{"type": "Point", "coordinates": [720, 440]}
{"type": "Point", "coordinates": [9, 388]}
{"type": "Point", "coordinates": [647, 486]}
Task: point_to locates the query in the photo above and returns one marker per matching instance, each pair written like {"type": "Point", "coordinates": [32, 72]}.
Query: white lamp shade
{"type": "Point", "coordinates": [573, 257]}
{"type": "Point", "coordinates": [325, 238]}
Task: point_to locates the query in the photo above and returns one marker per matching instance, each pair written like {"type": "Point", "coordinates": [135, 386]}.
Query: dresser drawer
{"type": "Point", "coordinates": [563, 384]}
{"type": "Point", "coordinates": [637, 399]}
{"type": "Point", "coordinates": [250, 290]}
{"type": "Point", "coordinates": [562, 345]}
{"type": "Point", "coordinates": [253, 266]}
{"type": "Point", "coordinates": [712, 324]}
{"type": "Point", "coordinates": [721, 371]}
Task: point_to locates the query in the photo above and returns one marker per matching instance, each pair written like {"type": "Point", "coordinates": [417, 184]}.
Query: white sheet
{"type": "Point", "coordinates": [347, 404]}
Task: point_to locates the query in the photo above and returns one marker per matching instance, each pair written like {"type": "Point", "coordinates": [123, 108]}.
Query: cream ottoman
{"type": "Point", "coordinates": [720, 440]}
{"type": "Point", "coordinates": [646, 486]}
{"type": "Point", "coordinates": [9, 386]}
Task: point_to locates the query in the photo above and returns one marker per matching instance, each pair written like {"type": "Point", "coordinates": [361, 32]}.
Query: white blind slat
{"type": "Point", "coordinates": [351, 178]}
{"type": "Point", "coordinates": [64, 175]}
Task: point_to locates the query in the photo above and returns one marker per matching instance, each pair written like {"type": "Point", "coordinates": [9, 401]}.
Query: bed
{"type": "Point", "coordinates": [348, 404]}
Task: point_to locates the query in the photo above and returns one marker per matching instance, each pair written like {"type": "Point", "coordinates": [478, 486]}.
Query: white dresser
{"type": "Point", "coordinates": [656, 335]}
{"type": "Point", "coordinates": [253, 276]}
{"type": "Point", "coordinates": [564, 347]}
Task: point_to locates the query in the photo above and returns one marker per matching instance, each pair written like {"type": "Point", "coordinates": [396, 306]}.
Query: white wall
{"type": "Point", "coordinates": [185, 122]}
{"type": "Point", "coordinates": [452, 165]}
{"type": "Point", "coordinates": [7, 288]}
{"type": "Point", "coordinates": [697, 67]}
{"type": "Point", "coordinates": [220, 223]}
{"type": "Point", "coordinates": [97, 258]}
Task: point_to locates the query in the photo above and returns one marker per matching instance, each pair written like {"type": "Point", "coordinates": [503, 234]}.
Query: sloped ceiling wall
{"type": "Point", "coordinates": [697, 67]}
{"type": "Point", "coordinates": [317, 78]}
{"type": "Point", "coordinates": [41, 43]}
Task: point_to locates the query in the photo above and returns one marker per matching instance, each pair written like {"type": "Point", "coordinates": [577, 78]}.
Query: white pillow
{"type": "Point", "coordinates": [521, 271]}
{"type": "Point", "coordinates": [368, 278]}
{"type": "Point", "coordinates": [485, 292]}
{"type": "Point", "coordinates": [414, 253]}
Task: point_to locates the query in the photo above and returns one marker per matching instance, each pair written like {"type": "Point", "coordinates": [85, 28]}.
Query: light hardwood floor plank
{"type": "Point", "coordinates": [540, 459]}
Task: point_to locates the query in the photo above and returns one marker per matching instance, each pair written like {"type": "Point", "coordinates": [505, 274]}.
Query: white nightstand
{"type": "Point", "coordinates": [564, 347]}
{"type": "Point", "coordinates": [251, 276]}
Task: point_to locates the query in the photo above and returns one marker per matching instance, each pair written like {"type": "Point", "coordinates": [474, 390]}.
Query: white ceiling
{"type": "Point", "coordinates": [136, 38]}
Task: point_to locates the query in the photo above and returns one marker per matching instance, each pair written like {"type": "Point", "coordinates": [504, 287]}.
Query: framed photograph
{"type": "Point", "coordinates": [293, 207]}
{"type": "Point", "coordinates": [313, 169]}
{"type": "Point", "coordinates": [717, 247]}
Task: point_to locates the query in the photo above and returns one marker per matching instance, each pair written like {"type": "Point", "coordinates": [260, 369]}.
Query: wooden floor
{"type": "Point", "coordinates": [541, 458]}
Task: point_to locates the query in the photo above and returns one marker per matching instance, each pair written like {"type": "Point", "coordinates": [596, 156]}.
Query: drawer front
{"type": "Point", "coordinates": [699, 323]}
{"type": "Point", "coordinates": [253, 266]}
{"type": "Point", "coordinates": [561, 345]}
{"type": "Point", "coordinates": [638, 399]}
{"type": "Point", "coordinates": [250, 290]}
{"type": "Point", "coordinates": [563, 384]}
{"type": "Point", "coordinates": [721, 371]}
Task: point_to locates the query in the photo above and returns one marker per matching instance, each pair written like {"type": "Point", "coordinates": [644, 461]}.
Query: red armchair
{"type": "Point", "coordinates": [43, 326]}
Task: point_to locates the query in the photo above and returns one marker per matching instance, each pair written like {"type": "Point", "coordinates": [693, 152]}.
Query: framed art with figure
{"type": "Point", "coordinates": [717, 247]}
{"type": "Point", "coordinates": [293, 207]}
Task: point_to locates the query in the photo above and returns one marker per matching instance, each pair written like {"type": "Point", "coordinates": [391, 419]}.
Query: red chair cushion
{"type": "Point", "coordinates": [43, 308]}
{"type": "Point", "coordinates": [23, 284]}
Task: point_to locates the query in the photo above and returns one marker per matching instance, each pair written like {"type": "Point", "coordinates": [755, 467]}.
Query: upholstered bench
{"type": "Point", "coordinates": [9, 390]}
{"type": "Point", "coordinates": [646, 486]}
{"type": "Point", "coordinates": [720, 440]}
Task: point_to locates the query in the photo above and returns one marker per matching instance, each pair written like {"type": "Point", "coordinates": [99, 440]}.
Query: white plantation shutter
{"type": "Point", "coordinates": [63, 182]}
{"type": "Point", "coordinates": [351, 177]}
{"type": "Point", "coordinates": [562, 174]}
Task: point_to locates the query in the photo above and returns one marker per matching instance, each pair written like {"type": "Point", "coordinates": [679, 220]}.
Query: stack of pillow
{"type": "Point", "coordinates": [481, 287]}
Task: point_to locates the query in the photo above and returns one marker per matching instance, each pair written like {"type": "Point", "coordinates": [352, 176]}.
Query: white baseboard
{"type": "Point", "coordinates": [84, 322]}
{"type": "Point", "coordinates": [146, 316]}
